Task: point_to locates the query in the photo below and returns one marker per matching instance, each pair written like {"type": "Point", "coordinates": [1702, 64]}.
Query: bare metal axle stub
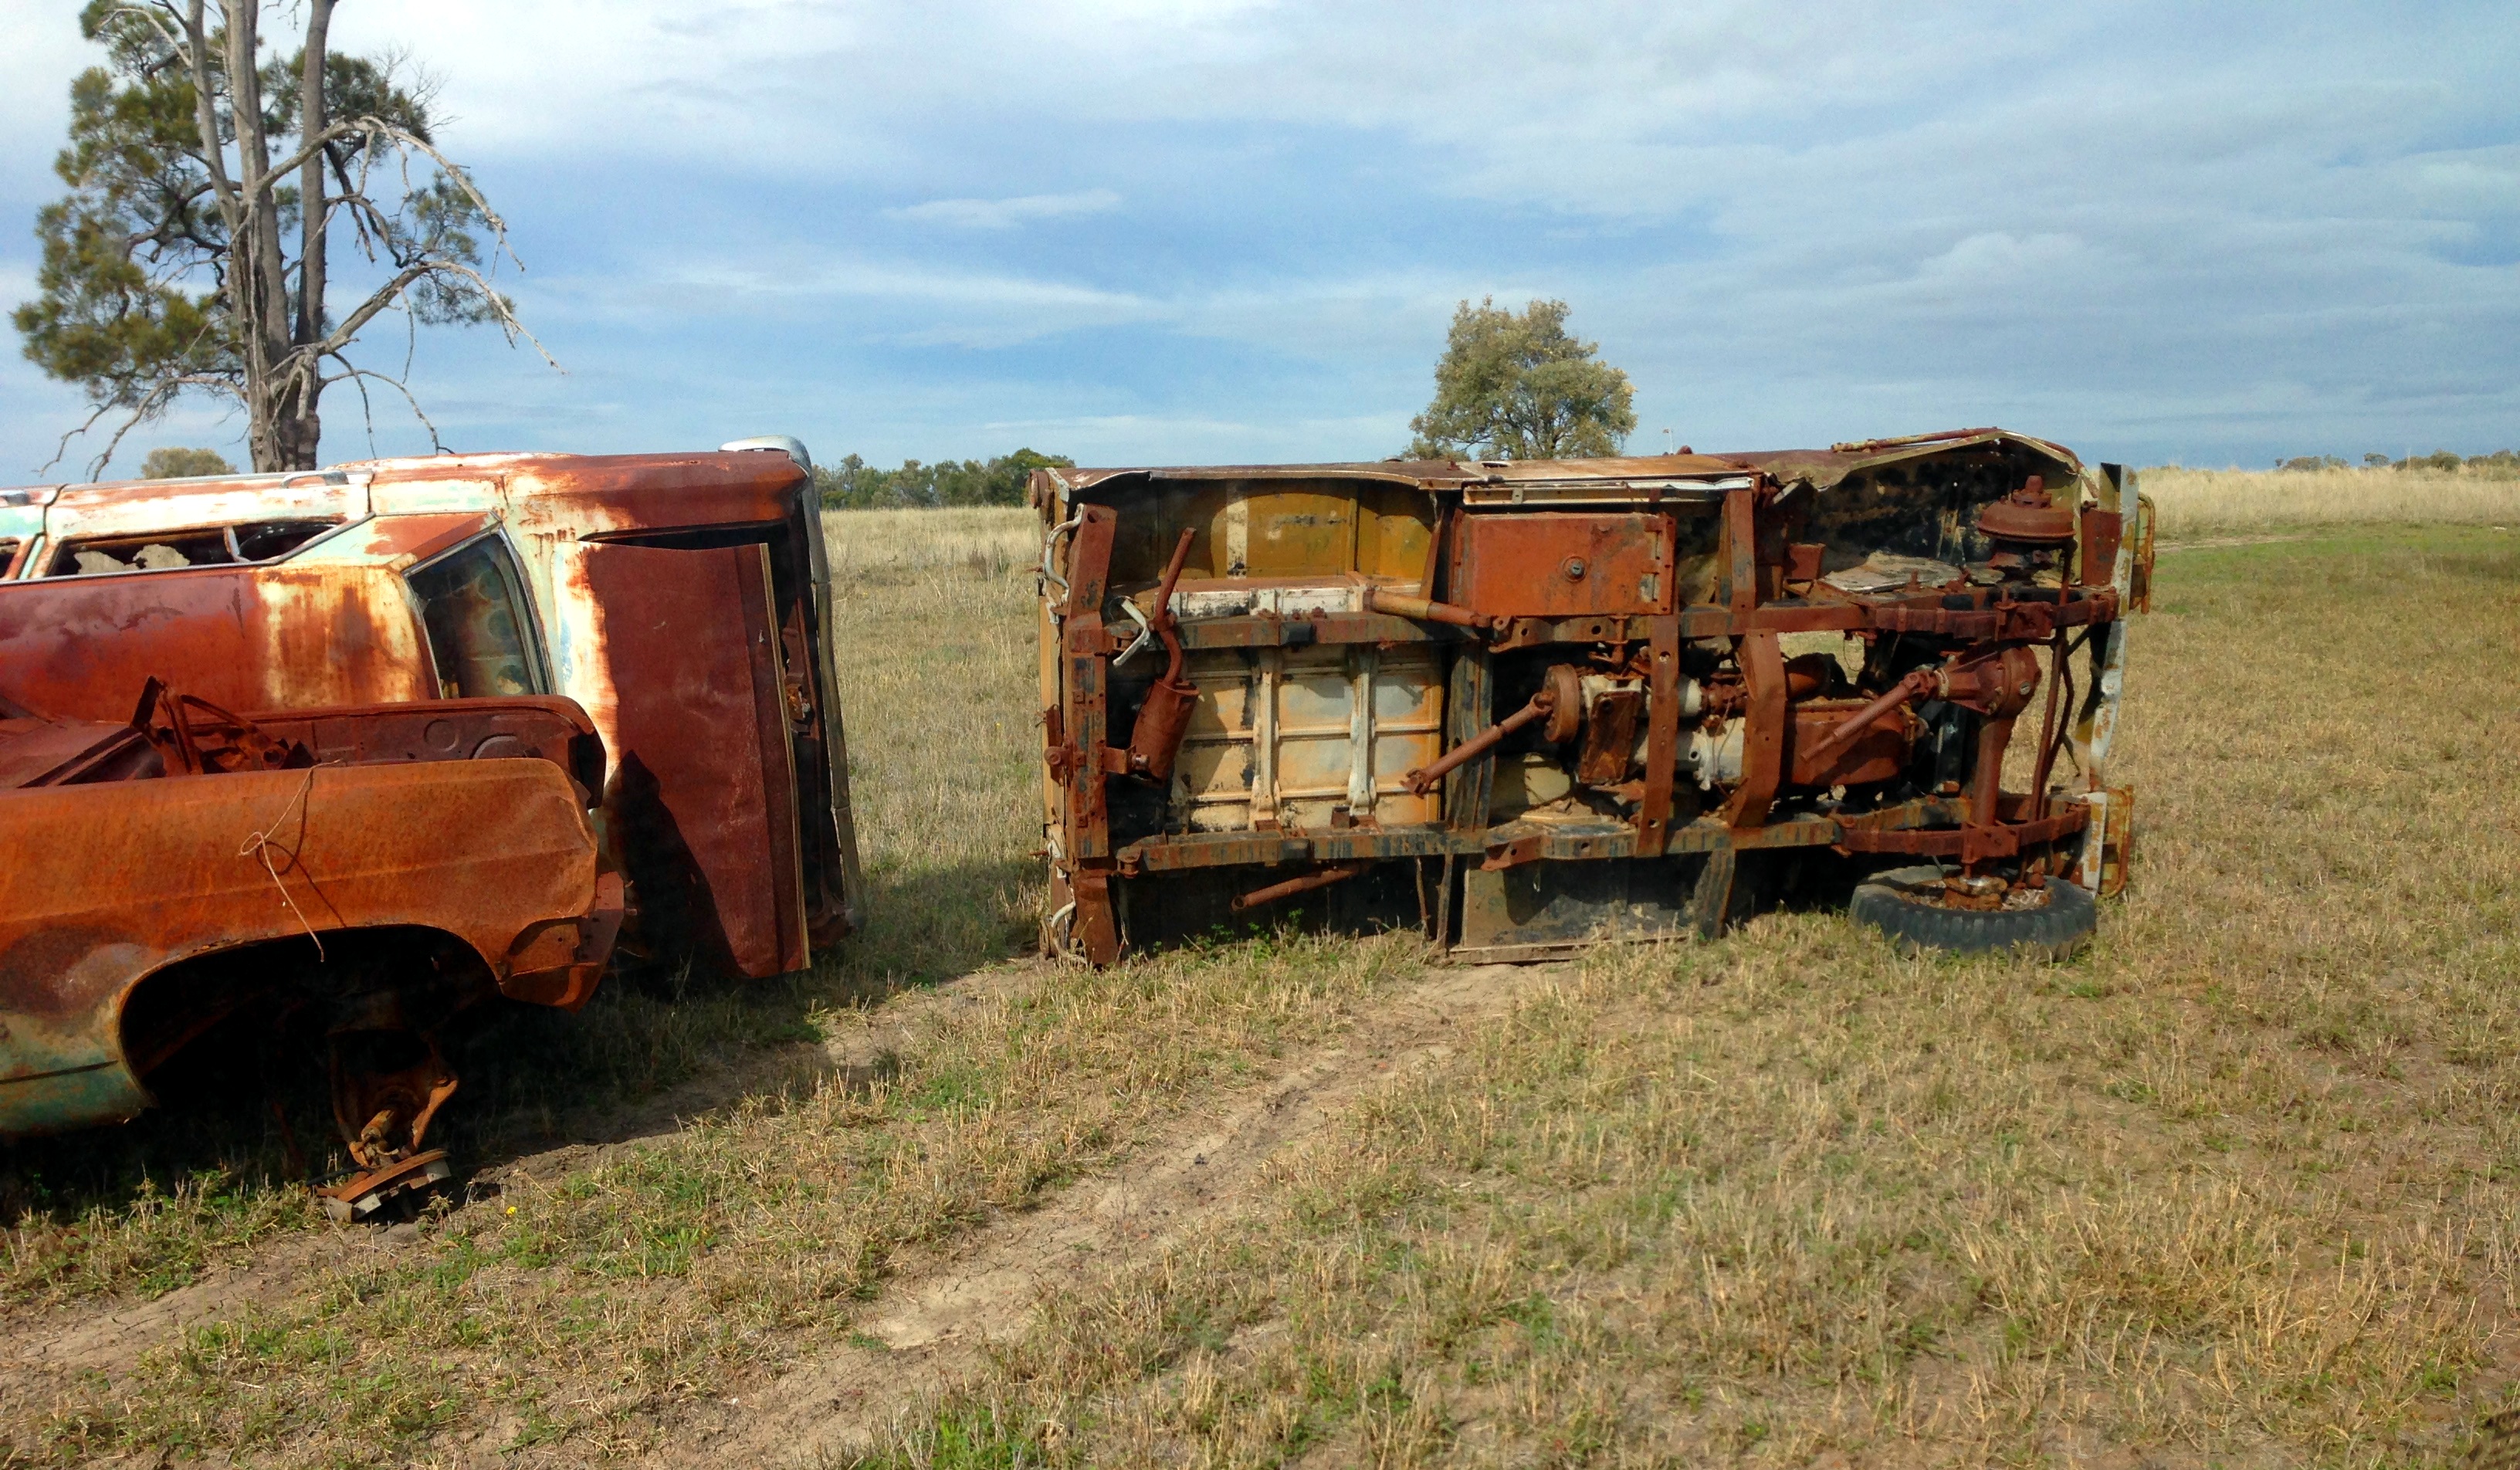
{"type": "Point", "coordinates": [362, 1195]}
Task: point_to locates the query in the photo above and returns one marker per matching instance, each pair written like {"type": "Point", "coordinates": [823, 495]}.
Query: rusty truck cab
{"type": "Point", "coordinates": [1536, 706]}
{"type": "Point", "coordinates": [681, 600]}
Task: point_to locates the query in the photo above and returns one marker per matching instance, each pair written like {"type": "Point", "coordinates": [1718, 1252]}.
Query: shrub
{"type": "Point", "coordinates": [171, 464]}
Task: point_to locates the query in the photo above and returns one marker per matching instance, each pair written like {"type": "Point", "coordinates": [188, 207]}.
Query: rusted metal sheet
{"type": "Point", "coordinates": [1542, 911]}
{"type": "Point", "coordinates": [37, 750]}
{"type": "Point", "coordinates": [551, 730]}
{"type": "Point", "coordinates": [1292, 738]}
{"type": "Point", "coordinates": [595, 494]}
{"type": "Point", "coordinates": [2098, 558]}
{"type": "Point", "coordinates": [1877, 752]}
{"type": "Point", "coordinates": [702, 794]}
{"type": "Point", "coordinates": [247, 638]}
{"type": "Point", "coordinates": [1767, 713]}
{"type": "Point", "coordinates": [2108, 852]}
{"type": "Point", "coordinates": [1591, 674]}
{"type": "Point", "coordinates": [1824, 469]}
{"type": "Point", "coordinates": [137, 875]}
{"type": "Point", "coordinates": [1561, 565]}
{"type": "Point", "coordinates": [398, 541]}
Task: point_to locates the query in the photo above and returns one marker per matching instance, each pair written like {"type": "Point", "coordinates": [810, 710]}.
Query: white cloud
{"type": "Point", "coordinates": [1006, 214]}
{"type": "Point", "coordinates": [908, 283]}
{"type": "Point", "coordinates": [2094, 215]}
{"type": "Point", "coordinates": [865, 300]}
{"type": "Point", "coordinates": [43, 53]}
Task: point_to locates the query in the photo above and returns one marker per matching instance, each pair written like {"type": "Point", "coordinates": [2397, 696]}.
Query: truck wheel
{"type": "Point", "coordinates": [1904, 904]}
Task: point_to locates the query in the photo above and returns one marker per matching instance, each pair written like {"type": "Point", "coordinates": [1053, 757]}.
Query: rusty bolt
{"type": "Point", "coordinates": [1574, 568]}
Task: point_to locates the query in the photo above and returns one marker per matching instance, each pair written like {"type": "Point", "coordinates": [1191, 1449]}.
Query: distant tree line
{"type": "Point", "coordinates": [853, 484]}
{"type": "Point", "coordinates": [2500, 461]}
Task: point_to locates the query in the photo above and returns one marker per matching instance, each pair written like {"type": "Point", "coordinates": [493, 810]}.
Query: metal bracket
{"type": "Point", "coordinates": [1057, 930]}
{"type": "Point", "coordinates": [1146, 633]}
{"type": "Point", "coordinates": [1050, 554]}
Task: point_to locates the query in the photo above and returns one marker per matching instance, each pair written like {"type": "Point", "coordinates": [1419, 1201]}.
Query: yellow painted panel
{"type": "Point", "coordinates": [1394, 528]}
{"type": "Point", "coordinates": [1292, 533]}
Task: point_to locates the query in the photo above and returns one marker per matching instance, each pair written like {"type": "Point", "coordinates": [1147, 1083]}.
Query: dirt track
{"type": "Point", "coordinates": [939, 1310]}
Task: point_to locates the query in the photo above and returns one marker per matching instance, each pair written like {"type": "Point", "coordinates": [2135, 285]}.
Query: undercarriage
{"type": "Point", "coordinates": [1534, 706]}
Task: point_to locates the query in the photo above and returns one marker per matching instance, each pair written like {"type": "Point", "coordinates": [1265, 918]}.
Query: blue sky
{"type": "Point", "coordinates": [1184, 231]}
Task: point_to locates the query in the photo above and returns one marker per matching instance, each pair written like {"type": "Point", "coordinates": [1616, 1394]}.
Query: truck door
{"type": "Point", "coordinates": [702, 793]}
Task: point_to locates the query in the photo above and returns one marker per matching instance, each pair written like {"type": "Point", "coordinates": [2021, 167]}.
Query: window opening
{"type": "Point", "coordinates": [472, 606]}
{"type": "Point", "coordinates": [202, 546]}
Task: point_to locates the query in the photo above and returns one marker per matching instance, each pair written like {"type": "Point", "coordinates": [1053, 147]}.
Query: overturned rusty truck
{"type": "Point", "coordinates": [1533, 706]}
{"type": "Point", "coordinates": [353, 750]}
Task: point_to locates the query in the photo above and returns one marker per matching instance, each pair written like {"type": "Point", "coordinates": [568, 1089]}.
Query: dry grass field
{"type": "Point", "coordinates": [2217, 502]}
{"type": "Point", "coordinates": [2239, 1186]}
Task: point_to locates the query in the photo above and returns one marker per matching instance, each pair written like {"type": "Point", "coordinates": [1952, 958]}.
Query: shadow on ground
{"type": "Point", "coordinates": [238, 1115]}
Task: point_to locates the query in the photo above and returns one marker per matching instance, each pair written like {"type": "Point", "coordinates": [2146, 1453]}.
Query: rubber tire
{"type": "Point", "coordinates": [2054, 930]}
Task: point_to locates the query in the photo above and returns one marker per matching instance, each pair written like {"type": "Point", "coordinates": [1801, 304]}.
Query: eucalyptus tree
{"type": "Point", "coordinates": [218, 191]}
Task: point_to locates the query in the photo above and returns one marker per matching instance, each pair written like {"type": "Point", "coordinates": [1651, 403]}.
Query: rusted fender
{"type": "Point", "coordinates": [108, 884]}
{"type": "Point", "coordinates": [240, 637]}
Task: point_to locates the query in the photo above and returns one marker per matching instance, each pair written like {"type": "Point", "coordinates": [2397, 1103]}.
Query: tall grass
{"type": "Point", "coordinates": [2201, 503]}
{"type": "Point", "coordinates": [984, 539]}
